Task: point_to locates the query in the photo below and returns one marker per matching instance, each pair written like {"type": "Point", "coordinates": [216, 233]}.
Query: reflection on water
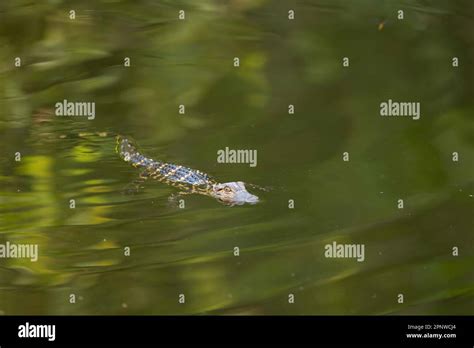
{"type": "Point", "coordinates": [121, 253]}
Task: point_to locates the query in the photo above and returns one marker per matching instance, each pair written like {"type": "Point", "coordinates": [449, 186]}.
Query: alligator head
{"type": "Point", "coordinates": [233, 193]}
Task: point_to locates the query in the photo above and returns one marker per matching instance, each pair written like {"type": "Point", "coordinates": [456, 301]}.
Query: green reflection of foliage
{"type": "Point", "coordinates": [281, 62]}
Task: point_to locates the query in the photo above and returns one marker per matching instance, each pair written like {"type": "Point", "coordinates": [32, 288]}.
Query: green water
{"type": "Point", "coordinates": [190, 62]}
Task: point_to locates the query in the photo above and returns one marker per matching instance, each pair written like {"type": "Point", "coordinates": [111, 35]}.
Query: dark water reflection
{"type": "Point", "coordinates": [190, 251]}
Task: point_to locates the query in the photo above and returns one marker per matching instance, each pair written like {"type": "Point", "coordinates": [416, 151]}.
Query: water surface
{"type": "Point", "coordinates": [300, 157]}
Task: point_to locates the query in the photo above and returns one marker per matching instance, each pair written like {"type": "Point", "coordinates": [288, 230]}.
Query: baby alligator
{"type": "Point", "coordinates": [187, 179]}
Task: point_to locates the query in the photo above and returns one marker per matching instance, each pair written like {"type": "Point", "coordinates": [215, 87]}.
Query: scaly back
{"type": "Point", "coordinates": [165, 172]}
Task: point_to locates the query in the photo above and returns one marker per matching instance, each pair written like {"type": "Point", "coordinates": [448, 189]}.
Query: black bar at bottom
{"type": "Point", "coordinates": [395, 330]}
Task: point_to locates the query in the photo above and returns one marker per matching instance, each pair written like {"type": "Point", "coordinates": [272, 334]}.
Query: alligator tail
{"type": "Point", "coordinates": [127, 151]}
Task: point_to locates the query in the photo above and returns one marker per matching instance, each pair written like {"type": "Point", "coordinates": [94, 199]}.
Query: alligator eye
{"type": "Point", "coordinates": [227, 189]}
